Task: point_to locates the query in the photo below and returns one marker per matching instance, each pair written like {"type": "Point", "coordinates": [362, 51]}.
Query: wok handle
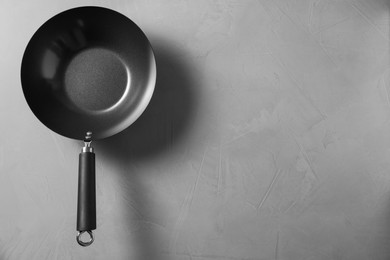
{"type": "Point", "coordinates": [86, 201]}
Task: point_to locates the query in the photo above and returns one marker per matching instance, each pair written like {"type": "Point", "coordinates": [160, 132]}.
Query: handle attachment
{"type": "Point", "coordinates": [86, 200]}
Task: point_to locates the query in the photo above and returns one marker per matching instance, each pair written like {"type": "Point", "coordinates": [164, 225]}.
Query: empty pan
{"type": "Point", "coordinates": [88, 73]}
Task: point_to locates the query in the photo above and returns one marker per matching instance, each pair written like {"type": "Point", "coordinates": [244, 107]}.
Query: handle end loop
{"type": "Point", "coordinates": [87, 243]}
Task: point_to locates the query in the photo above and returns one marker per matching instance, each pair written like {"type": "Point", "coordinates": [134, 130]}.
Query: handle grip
{"type": "Point", "coordinates": [86, 201]}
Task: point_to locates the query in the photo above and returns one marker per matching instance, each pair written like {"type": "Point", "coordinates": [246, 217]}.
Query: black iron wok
{"type": "Point", "coordinates": [88, 73]}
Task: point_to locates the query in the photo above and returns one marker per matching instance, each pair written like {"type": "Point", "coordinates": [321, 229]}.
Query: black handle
{"type": "Point", "coordinates": [86, 201]}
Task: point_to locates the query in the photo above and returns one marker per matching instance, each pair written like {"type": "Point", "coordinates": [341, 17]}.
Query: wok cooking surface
{"type": "Point", "coordinates": [92, 74]}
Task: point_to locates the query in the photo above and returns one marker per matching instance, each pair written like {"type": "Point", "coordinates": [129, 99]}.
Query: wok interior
{"type": "Point", "coordinates": [88, 69]}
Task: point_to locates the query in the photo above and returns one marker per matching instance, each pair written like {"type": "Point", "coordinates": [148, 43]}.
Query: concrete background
{"type": "Point", "coordinates": [268, 137]}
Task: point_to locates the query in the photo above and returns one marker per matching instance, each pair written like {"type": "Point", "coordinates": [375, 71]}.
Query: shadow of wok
{"type": "Point", "coordinates": [166, 120]}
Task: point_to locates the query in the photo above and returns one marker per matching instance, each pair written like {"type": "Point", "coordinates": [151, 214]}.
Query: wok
{"type": "Point", "coordinates": [88, 73]}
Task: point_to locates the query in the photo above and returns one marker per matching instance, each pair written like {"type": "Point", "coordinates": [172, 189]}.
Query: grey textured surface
{"type": "Point", "coordinates": [267, 137]}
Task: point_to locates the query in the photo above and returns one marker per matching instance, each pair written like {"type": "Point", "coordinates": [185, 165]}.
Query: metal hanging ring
{"type": "Point", "coordinates": [82, 243]}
